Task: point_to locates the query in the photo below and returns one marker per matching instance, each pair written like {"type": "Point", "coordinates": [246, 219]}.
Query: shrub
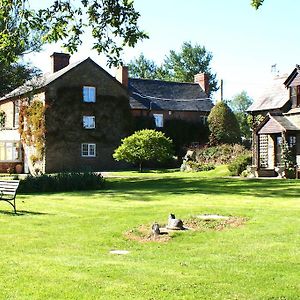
{"type": "Point", "coordinates": [198, 167]}
{"type": "Point", "coordinates": [223, 125]}
{"type": "Point", "coordinates": [222, 154]}
{"type": "Point", "coordinates": [62, 182]}
{"type": "Point", "coordinates": [145, 145]}
{"type": "Point", "coordinates": [237, 166]}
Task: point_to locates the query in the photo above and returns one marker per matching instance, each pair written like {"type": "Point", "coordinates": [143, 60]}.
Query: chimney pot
{"type": "Point", "coordinates": [59, 61]}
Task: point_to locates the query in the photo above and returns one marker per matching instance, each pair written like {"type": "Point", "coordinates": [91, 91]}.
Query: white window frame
{"type": "Point", "coordinates": [90, 151]}
{"type": "Point", "coordinates": [89, 122]}
{"type": "Point", "coordinates": [159, 120]}
{"type": "Point", "coordinates": [11, 151]}
{"type": "Point", "coordinates": [89, 94]}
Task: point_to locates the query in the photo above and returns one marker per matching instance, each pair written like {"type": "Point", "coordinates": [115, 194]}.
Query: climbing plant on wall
{"type": "Point", "coordinates": [2, 119]}
{"type": "Point", "coordinates": [32, 126]}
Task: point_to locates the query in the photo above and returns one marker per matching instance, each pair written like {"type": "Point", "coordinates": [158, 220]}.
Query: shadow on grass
{"type": "Point", "coordinates": [143, 189]}
{"type": "Point", "coordinates": [21, 213]}
{"type": "Point", "coordinates": [209, 186]}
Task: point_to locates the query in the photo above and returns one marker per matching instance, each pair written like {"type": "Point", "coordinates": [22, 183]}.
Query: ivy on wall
{"type": "Point", "coordinates": [32, 127]}
{"type": "Point", "coordinates": [2, 119]}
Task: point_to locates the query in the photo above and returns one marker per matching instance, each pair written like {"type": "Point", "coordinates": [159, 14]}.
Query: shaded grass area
{"type": "Point", "coordinates": [57, 246]}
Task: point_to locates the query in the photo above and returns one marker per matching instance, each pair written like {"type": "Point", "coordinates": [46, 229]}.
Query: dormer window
{"type": "Point", "coordinates": [89, 94]}
{"type": "Point", "coordinates": [295, 95]}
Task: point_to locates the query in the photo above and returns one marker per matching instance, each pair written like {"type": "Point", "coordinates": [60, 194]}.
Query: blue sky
{"type": "Point", "coordinates": [244, 42]}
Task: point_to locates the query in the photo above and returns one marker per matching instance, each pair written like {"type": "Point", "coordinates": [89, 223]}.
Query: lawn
{"type": "Point", "coordinates": [58, 246]}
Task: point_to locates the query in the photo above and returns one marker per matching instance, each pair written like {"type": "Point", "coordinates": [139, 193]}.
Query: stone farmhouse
{"type": "Point", "coordinates": [86, 114]}
{"type": "Point", "coordinates": [280, 106]}
{"type": "Point", "coordinates": [73, 118]}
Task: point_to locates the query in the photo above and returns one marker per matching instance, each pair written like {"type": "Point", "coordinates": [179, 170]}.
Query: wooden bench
{"type": "Point", "coordinates": [8, 191]}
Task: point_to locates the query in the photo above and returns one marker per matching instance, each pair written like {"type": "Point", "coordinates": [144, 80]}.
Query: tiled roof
{"type": "Point", "coordinates": [285, 122]}
{"type": "Point", "coordinates": [166, 95]}
{"type": "Point", "coordinates": [275, 96]}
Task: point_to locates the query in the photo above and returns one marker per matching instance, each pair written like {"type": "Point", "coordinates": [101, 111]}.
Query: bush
{"type": "Point", "coordinates": [240, 164]}
{"type": "Point", "coordinates": [223, 125]}
{"type": "Point", "coordinates": [219, 155]}
{"type": "Point", "coordinates": [62, 182]}
{"type": "Point", "coordinates": [196, 167]}
{"type": "Point", "coordinates": [145, 145]}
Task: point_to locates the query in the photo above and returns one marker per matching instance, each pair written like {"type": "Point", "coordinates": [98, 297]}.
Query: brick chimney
{"type": "Point", "coordinates": [122, 75]}
{"type": "Point", "coordinates": [59, 61]}
{"type": "Point", "coordinates": [202, 80]}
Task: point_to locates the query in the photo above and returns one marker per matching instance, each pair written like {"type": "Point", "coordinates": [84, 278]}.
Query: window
{"type": "Point", "coordinates": [10, 151]}
{"type": "Point", "coordinates": [159, 120]}
{"type": "Point", "coordinates": [88, 150]}
{"type": "Point", "coordinates": [203, 120]}
{"type": "Point", "coordinates": [88, 122]}
{"type": "Point", "coordinates": [89, 94]}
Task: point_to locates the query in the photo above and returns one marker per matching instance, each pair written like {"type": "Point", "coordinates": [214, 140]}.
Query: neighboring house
{"type": "Point", "coordinates": [165, 100]}
{"type": "Point", "coordinates": [280, 106]}
{"type": "Point", "coordinates": [86, 114]}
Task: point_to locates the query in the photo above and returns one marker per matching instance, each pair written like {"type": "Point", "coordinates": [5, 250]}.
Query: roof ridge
{"type": "Point", "coordinates": [160, 80]}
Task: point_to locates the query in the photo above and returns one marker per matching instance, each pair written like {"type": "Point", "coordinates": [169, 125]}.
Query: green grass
{"type": "Point", "coordinates": [58, 246]}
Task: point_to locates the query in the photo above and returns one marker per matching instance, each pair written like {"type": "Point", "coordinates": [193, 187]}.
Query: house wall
{"type": "Point", "coordinates": [64, 127]}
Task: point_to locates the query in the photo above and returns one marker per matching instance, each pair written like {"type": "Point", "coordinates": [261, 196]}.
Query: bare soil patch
{"type": "Point", "coordinates": [143, 233]}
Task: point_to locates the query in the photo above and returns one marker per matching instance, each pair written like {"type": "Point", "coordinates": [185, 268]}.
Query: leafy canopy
{"type": "Point", "coordinates": [111, 24]}
{"type": "Point", "coordinates": [178, 66]}
{"type": "Point", "coordinates": [145, 145]}
{"type": "Point", "coordinates": [239, 105]}
{"type": "Point", "coordinates": [223, 125]}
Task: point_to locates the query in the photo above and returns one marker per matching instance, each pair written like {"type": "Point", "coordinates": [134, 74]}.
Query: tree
{"type": "Point", "coordinates": [256, 3]}
{"type": "Point", "coordinates": [145, 145]}
{"type": "Point", "coordinates": [181, 66]}
{"type": "Point", "coordinates": [142, 67]}
{"type": "Point", "coordinates": [239, 105]}
{"type": "Point", "coordinates": [14, 75]}
{"type": "Point", "coordinates": [223, 125]}
{"type": "Point", "coordinates": [112, 25]}
{"type": "Point", "coordinates": [191, 60]}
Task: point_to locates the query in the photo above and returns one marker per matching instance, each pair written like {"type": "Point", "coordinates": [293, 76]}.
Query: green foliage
{"type": "Point", "coordinates": [181, 66]}
{"type": "Point", "coordinates": [183, 133]}
{"type": "Point", "coordinates": [145, 145]}
{"type": "Point", "coordinates": [221, 154]}
{"type": "Point", "coordinates": [62, 182]}
{"type": "Point", "coordinates": [32, 126]}
{"type": "Point", "coordinates": [142, 67]}
{"type": "Point", "coordinates": [189, 61]}
{"type": "Point", "coordinates": [239, 105]}
{"type": "Point", "coordinates": [223, 125]}
{"type": "Point", "coordinates": [240, 102]}
{"type": "Point", "coordinates": [238, 165]}
{"type": "Point", "coordinates": [254, 121]}
{"type": "Point", "coordinates": [111, 24]}
{"type": "Point", "coordinates": [198, 167]}
{"type": "Point", "coordinates": [14, 75]}
{"type": "Point", "coordinates": [256, 3]}
{"type": "Point", "coordinates": [2, 118]}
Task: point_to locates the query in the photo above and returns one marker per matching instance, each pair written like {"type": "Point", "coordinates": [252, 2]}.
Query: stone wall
{"type": "Point", "coordinates": [64, 113]}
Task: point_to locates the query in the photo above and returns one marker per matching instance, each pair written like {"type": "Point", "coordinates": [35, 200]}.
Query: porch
{"type": "Point", "coordinates": [276, 148]}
